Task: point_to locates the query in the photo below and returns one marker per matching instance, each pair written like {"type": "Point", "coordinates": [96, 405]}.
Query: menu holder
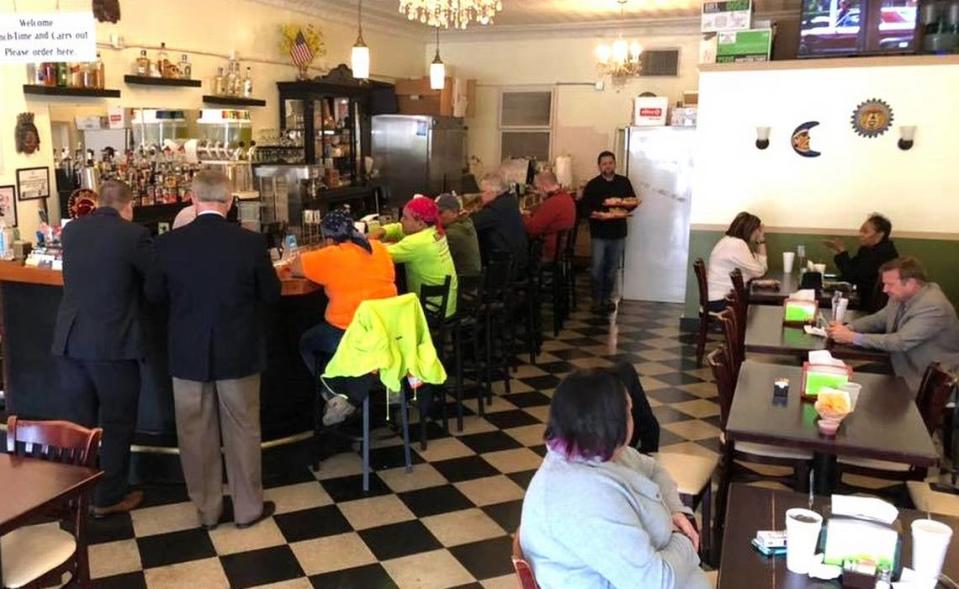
{"type": "Point", "coordinates": [815, 377]}
{"type": "Point", "coordinates": [797, 313]}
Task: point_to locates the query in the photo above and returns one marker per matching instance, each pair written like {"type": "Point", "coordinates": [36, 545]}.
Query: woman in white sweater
{"type": "Point", "coordinates": [743, 247]}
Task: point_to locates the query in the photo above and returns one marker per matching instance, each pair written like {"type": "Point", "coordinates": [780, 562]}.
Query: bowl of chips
{"type": "Point", "coordinates": [832, 405]}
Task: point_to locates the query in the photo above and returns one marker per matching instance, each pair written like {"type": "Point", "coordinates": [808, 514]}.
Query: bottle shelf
{"type": "Point", "coordinates": [151, 81]}
{"type": "Point", "coordinates": [233, 101]}
{"type": "Point", "coordinates": [74, 92]}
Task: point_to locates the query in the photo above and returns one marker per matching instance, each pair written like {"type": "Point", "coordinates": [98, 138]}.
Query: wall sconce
{"type": "Point", "coordinates": [907, 135]}
{"type": "Point", "coordinates": [762, 137]}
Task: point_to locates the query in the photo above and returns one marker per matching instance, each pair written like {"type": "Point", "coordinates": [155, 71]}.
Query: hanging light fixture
{"type": "Point", "coordinates": [360, 58]}
{"type": "Point", "coordinates": [456, 14]}
{"type": "Point", "coordinates": [620, 59]}
{"type": "Point", "coordinates": [437, 68]}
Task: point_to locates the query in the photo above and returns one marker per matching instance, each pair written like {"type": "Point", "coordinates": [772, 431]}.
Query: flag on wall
{"type": "Point", "coordinates": [300, 52]}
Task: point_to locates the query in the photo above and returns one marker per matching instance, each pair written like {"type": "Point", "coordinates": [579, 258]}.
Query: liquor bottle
{"type": "Point", "coordinates": [163, 62]}
{"type": "Point", "coordinates": [143, 64]}
{"type": "Point", "coordinates": [219, 83]}
{"type": "Point", "coordinates": [248, 83]}
{"type": "Point", "coordinates": [63, 74]}
{"type": "Point", "coordinates": [100, 76]}
{"type": "Point", "coordinates": [186, 70]}
{"type": "Point", "coordinates": [232, 79]}
{"type": "Point", "coordinates": [89, 71]}
{"type": "Point", "coordinates": [77, 75]}
{"type": "Point", "coordinates": [49, 73]}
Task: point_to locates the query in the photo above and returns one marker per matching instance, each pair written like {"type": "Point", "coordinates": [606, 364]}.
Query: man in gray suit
{"type": "Point", "coordinates": [917, 326]}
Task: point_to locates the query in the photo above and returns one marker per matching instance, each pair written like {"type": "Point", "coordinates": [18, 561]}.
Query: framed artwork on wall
{"type": "Point", "coordinates": [8, 205]}
{"type": "Point", "coordinates": [33, 183]}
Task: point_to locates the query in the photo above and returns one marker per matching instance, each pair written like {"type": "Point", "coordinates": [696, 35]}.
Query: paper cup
{"type": "Point", "coordinates": [839, 310]}
{"type": "Point", "coordinates": [930, 540]}
{"type": "Point", "coordinates": [802, 538]}
{"type": "Point", "coordinates": [788, 259]}
{"type": "Point", "coordinates": [821, 268]}
{"type": "Point", "coordinates": [853, 388]}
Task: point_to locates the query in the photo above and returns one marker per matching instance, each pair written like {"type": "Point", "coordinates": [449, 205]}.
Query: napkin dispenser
{"type": "Point", "coordinates": [815, 377]}
{"type": "Point", "coordinates": [800, 311]}
{"type": "Point", "coordinates": [849, 539]}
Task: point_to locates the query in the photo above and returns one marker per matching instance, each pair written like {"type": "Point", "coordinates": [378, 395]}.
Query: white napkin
{"type": "Point", "coordinates": [824, 358]}
{"type": "Point", "coordinates": [869, 508]}
{"type": "Point", "coordinates": [818, 331]}
{"type": "Point", "coordinates": [807, 294]}
{"type": "Point", "coordinates": [826, 572]}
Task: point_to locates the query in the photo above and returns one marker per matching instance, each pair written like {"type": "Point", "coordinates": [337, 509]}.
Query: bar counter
{"type": "Point", "coordinates": [29, 298]}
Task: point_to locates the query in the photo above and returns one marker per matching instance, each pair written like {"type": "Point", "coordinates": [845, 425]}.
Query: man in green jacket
{"type": "Point", "coordinates": [461, 235]}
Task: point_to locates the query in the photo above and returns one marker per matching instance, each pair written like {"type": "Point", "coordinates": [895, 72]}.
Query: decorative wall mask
{"type": "Point", "coordinates": [801, 140]}
{"type": "Point", "coordinates": [26, 134]}
{"type": "Point", "coordinates": [106, 10]}
{"type": "Point", "coordinates": [872, 118]}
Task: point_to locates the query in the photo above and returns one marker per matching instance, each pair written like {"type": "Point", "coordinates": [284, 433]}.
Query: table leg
{"type": "Point", "coordinates": [824, 469]}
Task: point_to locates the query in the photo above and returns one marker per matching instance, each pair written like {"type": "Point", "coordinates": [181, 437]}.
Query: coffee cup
{"type": "Point", "coordinates": [930, 541]}
{"type": "Point", "coordinates": [852, 389]}
{"type": "Point", "coordinates": [788, 259]}
{"type": "Point", "coordinates": [802, 538]}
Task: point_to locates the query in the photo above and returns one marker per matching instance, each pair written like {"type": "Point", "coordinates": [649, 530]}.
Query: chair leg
{"type": "Point", "coordinates": [82, 554]}
{"type": "Point", "coordinates": [366, 444]}
{"type": "Point", "coordinates": [489, 360]}
{"type": "Point", "coordinates": [701, 338]}
{"type": "Point", "coordinates": [706, 541]}
{"type": "Point", "coordinates": [423, 414]}
{"type": "Point", "coordinates": [458, 353]}
{"type": "Point", "coordinates": [405, 425]}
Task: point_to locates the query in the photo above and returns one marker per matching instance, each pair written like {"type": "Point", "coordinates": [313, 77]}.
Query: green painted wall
{"type": "Point", "coordinates": [941, 258]}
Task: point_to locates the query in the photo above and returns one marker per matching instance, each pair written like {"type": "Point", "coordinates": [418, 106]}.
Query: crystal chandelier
{"type": "Point", "coordinates": [620, 59]}
{"type": "Point", "coordinates": [455, 14]}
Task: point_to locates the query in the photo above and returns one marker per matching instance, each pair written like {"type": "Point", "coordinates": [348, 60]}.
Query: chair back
{"type": "Point", "coordinates": [934, 393]}
{"type": "Point", "coordinates": [569, 248]}
{"type": "Point", "coordinates": [735, 350]}
{"type": "Point", "coordinates": [560, 240]}
{"type": "Point", "coordinates": [55, 441]}
{"type": "Point", "coordinates": [535, 250]}
{"type": "Point", "coordinates": [524, 572]}
{"type": "Point", "coordinates": [470, 293]}
{"type": "Point", "coordinates": [739, 303]}
{"type": "Point", "coordinates": [718, 360]}
{"type": "Point", "coordinates": [435, 298]}
{"type": "Point", "coordinates": [699, 266]}
{"type": "Point", "coordinates": [499, 276]}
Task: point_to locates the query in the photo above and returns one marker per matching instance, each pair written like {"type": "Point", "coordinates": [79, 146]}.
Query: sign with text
{"type": "Point", "coordinates": [34, 37]}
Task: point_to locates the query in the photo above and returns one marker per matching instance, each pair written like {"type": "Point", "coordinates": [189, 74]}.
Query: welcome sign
{"type": "Point", "coordinates": [34, 37]}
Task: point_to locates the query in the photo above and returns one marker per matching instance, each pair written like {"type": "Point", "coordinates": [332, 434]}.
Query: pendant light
{"type": "Point", "coordinates": [360, 58]}
{"type": "Point", "coordinates": [437, 68]}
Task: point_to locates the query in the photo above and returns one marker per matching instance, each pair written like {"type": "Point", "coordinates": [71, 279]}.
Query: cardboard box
{"type": "Point", "coordinates": [415, 97]}
{"type": "Point", "coordinates": [728, 15]}
{"type": "Point", "coordinates": [744, 46]}
{"type": "Point", "coordinates": [650, 111]}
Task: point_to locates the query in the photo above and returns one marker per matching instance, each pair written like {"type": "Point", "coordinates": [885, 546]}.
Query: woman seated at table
{"type": "Point", "coordinates": [743, 247]}
{"type": "Point", "coordinates": [351, 269]}
{"type": "Point", "coordinates": [862, 270]}
{"type": "Point", "coordinates": [598, 513]}
{"type": "Point", "coordinates": [419, 242]}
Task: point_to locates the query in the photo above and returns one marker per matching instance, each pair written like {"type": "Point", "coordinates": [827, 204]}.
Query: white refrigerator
{"type": "Point", "coordinates": [659, 164]}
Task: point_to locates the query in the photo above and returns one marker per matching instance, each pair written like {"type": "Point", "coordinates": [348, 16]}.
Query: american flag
{"type": "Point", "coordinates": [300, 52]}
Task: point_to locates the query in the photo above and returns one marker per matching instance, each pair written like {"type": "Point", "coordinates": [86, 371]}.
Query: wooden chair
{"type": "Point", "coordinates": [705, 315]}
{"type": "Point", "coordinates": [734, 344]}
{"type": "Point", "coordinates": [38, 556]}
{"type": "Point", "coordinates": [739, 297]}
{"type": "Point", "coordinates": [694, 481]}
{"type": "Point", "coordinates": [524, 572]}
{"type": "Point", "coordinates": [934, 391]}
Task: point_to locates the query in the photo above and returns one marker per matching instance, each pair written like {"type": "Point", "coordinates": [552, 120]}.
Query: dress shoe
{"type": "Point", "coordinates": [610, 307]}
{"type": "Point", "coordinates": [128, 503]}
{"type": "Point", "coordinates": [268, 509]}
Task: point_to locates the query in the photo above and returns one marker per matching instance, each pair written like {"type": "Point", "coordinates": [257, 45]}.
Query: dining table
{"type": "Point", "coordinates": [788, 284]}
{"type": "Point", "coordinates": [28, 486]}
{"type": "Point", "coordinates": [751, 509]}
{"type": "Point", "coordinates": [766, 333]}
{"type": "Point", "coordinates": [885, 424]}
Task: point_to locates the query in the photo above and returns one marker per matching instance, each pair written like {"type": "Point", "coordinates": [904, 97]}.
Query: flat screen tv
{"type": "Point", "coordinates": [833, 28]}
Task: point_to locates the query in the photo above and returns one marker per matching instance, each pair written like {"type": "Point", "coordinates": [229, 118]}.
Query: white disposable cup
{"type": "Point", "coordinates": [930, 540]}
{"type": "Point", "coordinates": [839, 311]}
{"type": "Point", "coordinates": [821, 268]}
{"type": "Point", "coordinates": [853, 388]}
{"type": "Point", "coordinates": [788, 259]}
{"type": "Point", "coordinates": [802, 538]}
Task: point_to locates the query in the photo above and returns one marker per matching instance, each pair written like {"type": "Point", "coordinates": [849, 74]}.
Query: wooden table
{"type": "Point", "coordinates": [28, 486]}
{"type": "Point", "coordinates": [788, 284]}
{"type": "Point", "coordinates": [752, 508]}
{"type": "Point", "coordinates": [886, 424]}
{"type": "Point", "coordinates": [766, 334]}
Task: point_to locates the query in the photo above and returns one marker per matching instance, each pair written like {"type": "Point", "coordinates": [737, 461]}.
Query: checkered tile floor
{"type": "Point", "coordinates": [445, 525]}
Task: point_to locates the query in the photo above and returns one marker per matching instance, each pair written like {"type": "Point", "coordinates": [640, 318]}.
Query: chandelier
{"type": "Point", "coordinates": [455, 14]}
{"type": "Point", "coordinates": [620, 59]}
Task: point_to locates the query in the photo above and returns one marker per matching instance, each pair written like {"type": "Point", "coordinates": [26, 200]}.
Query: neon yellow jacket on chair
{"type": "Point", "coordinates": [390, 336]}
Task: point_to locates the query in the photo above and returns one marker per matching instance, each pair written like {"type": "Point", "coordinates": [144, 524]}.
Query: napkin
{"type": "Point", "coordinates": [824, 358]}
{"type": "Point", "coordinates": [806, 294]}
{"type": "Point", "coordinates": [818, 331]}
{"type": "Point", "coordinates": [869, 508]}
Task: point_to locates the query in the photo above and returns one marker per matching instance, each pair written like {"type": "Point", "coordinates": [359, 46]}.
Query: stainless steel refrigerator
{"type": "Point", "coordinates": [418, 154]}
{"type": "Point", "coordinates": [659, 164]}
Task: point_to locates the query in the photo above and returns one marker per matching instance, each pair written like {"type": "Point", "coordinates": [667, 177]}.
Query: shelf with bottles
{"type": "Point", "coordinates": [232, 100]}
{"type": "Point", "coordinates": [68, 79]}
{"type": "Point", "coordinates": [149, 81]}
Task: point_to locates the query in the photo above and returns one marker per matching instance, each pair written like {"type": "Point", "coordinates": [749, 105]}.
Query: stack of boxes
{"type": "Point", "coordinates": [730, 34]}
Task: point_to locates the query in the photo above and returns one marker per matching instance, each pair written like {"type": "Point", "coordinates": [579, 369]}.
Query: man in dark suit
{"type": "Point", "coordinates": [216, 277]}
{"type": "Point", "coordinates": [500, 224]}
{"type": "Point", "coordinates": [99, 334]}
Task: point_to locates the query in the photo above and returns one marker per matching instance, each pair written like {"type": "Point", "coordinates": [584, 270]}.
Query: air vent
{"type": "Point", "coordinates": [660, 62]}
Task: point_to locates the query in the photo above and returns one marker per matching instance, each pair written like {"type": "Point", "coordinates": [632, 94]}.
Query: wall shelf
{"type": "Point", "coordinates": [151, 81]}
{"type": "Point", "coordinates": [74, 92]}
{"type": "Point", "coordinates": [233, 101]}
{"type": "Point", "coordinates": [832, 62]}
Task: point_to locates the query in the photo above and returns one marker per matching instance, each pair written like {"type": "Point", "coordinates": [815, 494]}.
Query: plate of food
{"type": "Point", "coordinates": [766, 283]}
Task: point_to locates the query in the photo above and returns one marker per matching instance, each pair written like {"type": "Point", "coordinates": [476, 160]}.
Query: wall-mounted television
{"type": "Point", "coordinates": [831, 28]}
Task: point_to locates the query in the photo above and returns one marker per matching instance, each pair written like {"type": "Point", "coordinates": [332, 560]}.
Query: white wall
{"type": "Point", "coordinates": [585, 120]}
{"type": "Point", "coordinates": [216, 27]}
{"type": "Point", "coordinates": [854, 175]}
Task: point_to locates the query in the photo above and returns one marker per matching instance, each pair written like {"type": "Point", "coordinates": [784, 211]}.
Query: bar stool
{"type": "Point", "coordinates": [434, 298]}
{"type": "Point", "coordinates": [466, 326]}
{"type": "Point", "coordinates": [498, 306]}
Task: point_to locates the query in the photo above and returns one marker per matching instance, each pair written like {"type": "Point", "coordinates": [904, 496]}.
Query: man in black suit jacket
{"type": "Point", "coordinates": [99, 334]}
{"type": "Point", "coordinates": [216, 277]}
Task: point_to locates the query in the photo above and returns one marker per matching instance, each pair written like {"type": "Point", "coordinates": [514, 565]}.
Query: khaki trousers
{"type": "Point", "coordinates": [204, 411]}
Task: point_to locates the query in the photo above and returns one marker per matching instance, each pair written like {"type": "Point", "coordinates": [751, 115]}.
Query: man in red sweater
{"type": "Point", "coordinates": [556, 213]}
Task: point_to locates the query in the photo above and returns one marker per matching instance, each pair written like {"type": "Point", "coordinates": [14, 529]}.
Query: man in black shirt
{"type": "Point", "coordinates": [607, 231]}
{"type": "Point", "coordinates": [499, 223]}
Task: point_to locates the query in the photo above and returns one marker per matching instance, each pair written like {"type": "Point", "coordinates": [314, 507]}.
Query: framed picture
{"type": "Point", "coordinates": [33, 183]}
{"type": "Point", "coordinates": [8, 205]}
